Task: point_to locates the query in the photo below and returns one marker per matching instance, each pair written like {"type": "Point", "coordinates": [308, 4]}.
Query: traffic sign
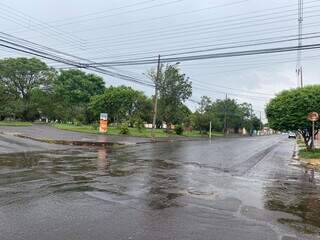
{"type": "Point", "coordinates": [313, 116]}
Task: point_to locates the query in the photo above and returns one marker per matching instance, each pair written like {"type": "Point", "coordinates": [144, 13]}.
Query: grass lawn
{"type": "Point", "coordinates": [304, 153]}
{"type": "Point", "coordinates": [115, 131]}
{"type": "Point", "coordinates": [15, 124]}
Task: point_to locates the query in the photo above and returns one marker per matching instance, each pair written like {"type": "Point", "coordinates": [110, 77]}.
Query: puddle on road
{"type": "Point", "coordinates": [299, 196]}
{"type": "Point", "coordinates": [154, 183]}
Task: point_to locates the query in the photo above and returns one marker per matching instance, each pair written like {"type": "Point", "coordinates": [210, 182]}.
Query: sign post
{"type": "Point", "coordinates": [313, 117]}
{"type": "Point", "coordinates": [103, 128]}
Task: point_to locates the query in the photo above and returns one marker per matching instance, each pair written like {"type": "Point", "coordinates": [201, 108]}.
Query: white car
{"type": "Point", "coordinates": [291, 135]}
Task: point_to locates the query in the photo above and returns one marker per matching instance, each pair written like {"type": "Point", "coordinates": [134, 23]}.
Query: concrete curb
{"type": "Point", "coordinates": [96, 143]}
{"type": "Point", "coordinates": [69, 142]}
{"type": "Point", "coordinates": [295, 155]}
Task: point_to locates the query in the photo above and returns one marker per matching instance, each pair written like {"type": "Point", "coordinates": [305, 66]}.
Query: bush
{"type": "Point", "coordinates": [179, 130]}
{"type": "Point", "coordinates": [124, 128]}
{"type": "Point", "coordinates": [95, 126]}
{"type": "Point", "coordinates": [139, 124]}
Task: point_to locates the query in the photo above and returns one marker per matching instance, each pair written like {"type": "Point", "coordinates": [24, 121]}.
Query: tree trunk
{"type": "Point", "coordinates": [307, 136]}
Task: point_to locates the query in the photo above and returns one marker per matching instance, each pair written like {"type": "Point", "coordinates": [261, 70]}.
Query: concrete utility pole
{"type": "Point", "coordinates": [299, 53]}
{"type": "Point", "coordinates": [210, 127]}
{"type": "Point", "coordinates": [155, 107]}
{"type": "Point", "coordinates": [251, 115]}
{"type": "Point", "coordinates": [225, 116]}
{"type": "Point", "coordinates": [260, 122]}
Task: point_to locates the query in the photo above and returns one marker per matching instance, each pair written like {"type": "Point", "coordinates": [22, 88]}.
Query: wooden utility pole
{"type": "Point", "coordinates": [155, 107]}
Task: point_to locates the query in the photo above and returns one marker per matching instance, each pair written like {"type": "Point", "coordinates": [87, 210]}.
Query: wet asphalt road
{"type": "Point", "coordinates": [245, 188]}
{"type": "Point", "coordinates": [12, 144]}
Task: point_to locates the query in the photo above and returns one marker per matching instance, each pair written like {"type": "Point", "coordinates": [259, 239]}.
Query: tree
{"type": "Point", "coordinates": [8, 103]}
{"type": "Point", "coordinates": [122, 104]}
{"type": "Point", "coordinates": [205, 114]}
{"type": "Point", "coordinates": [73, 90]}
{"type": "Point", "coordinates": [236, 115]}
{"type": "Point", "coordinates": [20, 76]}
{"type": "Point", "coordinates": [288, 111]}
{"type": "Point", "coordinates": [174, 89]}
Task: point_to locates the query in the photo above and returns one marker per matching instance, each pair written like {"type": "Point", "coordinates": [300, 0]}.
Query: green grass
{"type": "Point", "coordinates": [115, 131]}
{"type": "Point", "coordinates": [15, 124]}
{"type": "Point", "coordinates": [308, 154]}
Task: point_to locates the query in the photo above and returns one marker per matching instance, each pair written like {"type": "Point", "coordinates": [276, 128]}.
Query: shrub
{"type": "Point", "coordinates": [179, 130]}
{"type": "Point", "coordinates": [124, 128]}
{"type": "Point", "coordinates": [95, 126]}
{"type": "Point", "coordinates": [139, 124]}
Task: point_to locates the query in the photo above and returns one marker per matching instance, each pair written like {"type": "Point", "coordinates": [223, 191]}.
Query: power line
{"type": "Point", "coordinates": [200, 28]}
{"type": "Point", "coordinates": [209, 56]}
{"type": "Point", "coordinates": [52, 56]}
{"type": "Point", "coordinates": [161, 17]}
{"type": "Point", "coordinates": [187, 12]}
{"type": "Point", "coordinates": [102, 12]}
{"type": "Point", "coordinates": [231, 37]}
{"type": "Point", "coordinates": [58, 33]}
{"type": "Point", "coordinates": [229, 88]}
{"type": "Point", "coordinates": [221, 20]}
{"type": "Point", "coordinates": [96, 69]}
{"type": "Point", "coordinates": [94, 66]}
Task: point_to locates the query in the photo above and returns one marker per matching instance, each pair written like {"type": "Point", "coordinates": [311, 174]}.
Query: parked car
{"type": "Point", "coordinates": [292, 135]}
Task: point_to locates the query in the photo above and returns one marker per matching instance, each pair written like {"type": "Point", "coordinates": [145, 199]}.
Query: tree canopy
{"type": "Point", "coordinates": [122, 104]}
{"type": "Point", "coordinates": [19, 77]}
{"type": "Point", "coordinates": [174, 89]}
{"type": "Point", "coordinates": [288, 111]}
{"type": "Point", "coordinates": [73, 90]}
{"type": "Point", "coordinates": [31, 90]}
{"type": "Point", "coordinates": [225, 112]}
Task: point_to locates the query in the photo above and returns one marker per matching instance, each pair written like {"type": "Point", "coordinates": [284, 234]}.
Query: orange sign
{"type": "Point", "coordinates": [103, 126]}
{"type": "Point", "coordinates": [103, 123]}
{"type": "Point", "coordinates": [313, 116]}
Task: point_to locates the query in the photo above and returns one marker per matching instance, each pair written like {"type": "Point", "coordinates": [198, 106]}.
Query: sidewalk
{"type": "Point", "coordinates": [46, 133]}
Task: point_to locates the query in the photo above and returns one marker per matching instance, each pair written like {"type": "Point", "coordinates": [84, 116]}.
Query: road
{"type": "Point", "coordinates": [240, 188]}
{"type": "Point", "coordinates": [12, 144]}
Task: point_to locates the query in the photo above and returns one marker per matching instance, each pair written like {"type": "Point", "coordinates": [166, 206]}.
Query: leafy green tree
{"type": "Point", "coordinates": [288, 111]}
{"type": "Point", "coordinates": [20, 76]}
{"type": "Point", "coordinates": [256, 123]}
{"type": "Point", "coordinates": [205, 114]}
{"type": "Point", "coordinates": [236, 115]}
{"type": "Point", "coordinates": [174, 89]}
{"type": "Point", "coordinates": [73, 90]}
{"type": "Point", "coordinates": [8, 103]}
{"type": "Point", "coordinates": [122, 104]}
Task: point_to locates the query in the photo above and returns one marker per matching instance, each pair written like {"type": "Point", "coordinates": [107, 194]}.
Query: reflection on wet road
{"type": "Point", "coordinates": [225, 189]}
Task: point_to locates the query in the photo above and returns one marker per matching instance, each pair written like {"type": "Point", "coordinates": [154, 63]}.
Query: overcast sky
{"type": "Point", "coordinates": [108, 30]}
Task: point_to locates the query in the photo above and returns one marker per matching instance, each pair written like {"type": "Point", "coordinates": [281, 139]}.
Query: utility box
{"type": "Point", "coordinates": [103, 128]}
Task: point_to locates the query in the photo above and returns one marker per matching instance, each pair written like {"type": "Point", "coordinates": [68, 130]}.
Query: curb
{"type": "Point", "coordinates": [70, 142]}
{"type": "Point", "coordinates": [295, 155]}
{"type": "Point", "coordinates": [96, 144]}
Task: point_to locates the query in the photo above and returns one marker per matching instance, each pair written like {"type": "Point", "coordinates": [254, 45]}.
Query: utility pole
{"type": "Point", "coordinates": [155, 107]}
{"type": "Point", "coordinates": [225, 116]}
{"type": "Point", "coordinates": [260, 122]}
{"type": "Point", "coordinates": [210, 127]}
{"type": "Point", "coordinates": [299, 53]}
{"type": "Point", "coordinates": [251, 114]}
